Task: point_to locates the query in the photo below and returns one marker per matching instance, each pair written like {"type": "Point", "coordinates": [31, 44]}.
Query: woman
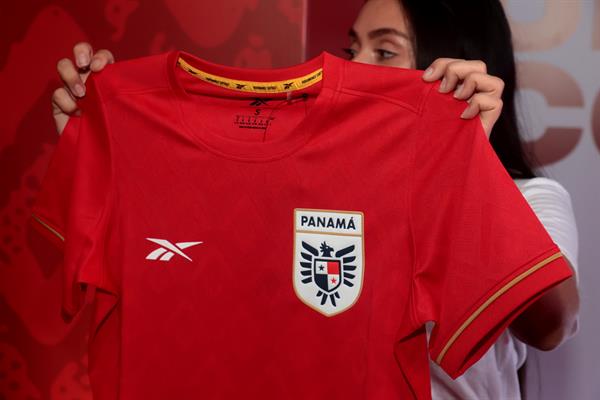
{"type": "Point", "coordinates": [415, 34]}
{"type": "Point", "coordinates": [478, 30]}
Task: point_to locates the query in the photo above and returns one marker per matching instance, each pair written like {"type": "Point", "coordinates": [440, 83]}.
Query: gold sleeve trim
{"type": "Point", "coordinates": [298, 83]}
{"type": "Point", "coordinates": [51, 229]}
{"type": "Point", "coordinates": [493, 298]}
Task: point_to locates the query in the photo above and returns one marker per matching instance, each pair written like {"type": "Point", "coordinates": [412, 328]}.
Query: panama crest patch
{"type": "Point", "coordinates": [328, 259]}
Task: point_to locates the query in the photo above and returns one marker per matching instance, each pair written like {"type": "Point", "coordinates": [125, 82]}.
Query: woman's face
{"type": "Point", "coordinates": [380, 35]}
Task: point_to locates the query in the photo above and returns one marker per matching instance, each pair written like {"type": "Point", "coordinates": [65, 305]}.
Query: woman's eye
{"type": "Point", "coordinates": [386, 55]}
{"type": "Point", "coordinates": [350, 52]}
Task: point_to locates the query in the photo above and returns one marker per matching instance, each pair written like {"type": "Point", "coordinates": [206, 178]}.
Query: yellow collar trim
{"type": "Point", "coordinates": [298, 83]}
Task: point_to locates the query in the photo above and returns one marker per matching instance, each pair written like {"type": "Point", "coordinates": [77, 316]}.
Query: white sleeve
{"type": "Point", "coordinates": [552, 204]}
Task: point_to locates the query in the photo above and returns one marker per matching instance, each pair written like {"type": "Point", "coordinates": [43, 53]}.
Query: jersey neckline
{"type": "Point", "coordinates": [332, 70]}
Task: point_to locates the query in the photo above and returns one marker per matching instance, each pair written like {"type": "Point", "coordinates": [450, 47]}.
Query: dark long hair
{"type": "Point", "coordinates": [474, 30]}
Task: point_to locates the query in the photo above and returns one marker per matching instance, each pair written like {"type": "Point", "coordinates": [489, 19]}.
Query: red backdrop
{"type": "Point", "coordinates": [41, 356]}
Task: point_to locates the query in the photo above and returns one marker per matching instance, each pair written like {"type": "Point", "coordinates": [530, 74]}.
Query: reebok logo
{"type": "Point", "coordinates": [259, 102]}
{"type": "Point", "coordinates": [167, 250]}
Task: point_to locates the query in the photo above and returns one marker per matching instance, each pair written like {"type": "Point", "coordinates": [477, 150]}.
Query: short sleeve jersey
{"type": "Point", "coordinates": [285, 233]}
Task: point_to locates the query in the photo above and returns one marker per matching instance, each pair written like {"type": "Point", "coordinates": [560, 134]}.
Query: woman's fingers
{"type": "Point", "coordinates": [452, 71]}
{"type": "Point", "coordinates": [71, 77]}
{"type": "Point", "coordinates": [63, 105]}
{"type": "Point", "coordinates": [477, 82]}
{"type": "Point", "coordinates": [63, 101]}
{"type": "Point", "coordinates": [101, 59]}
{"type": "Point", "coordinates": [487, 107]}
{"type": "Point", "coordinates": [457, 71]}
{"type": "Point", "coordinates": [82, 52]}
{"type": "Point", "coordinates": [470, 81]}
{"type": "Point", "coordinates": [75, 75]}
{"type": "Point", "coordinates": [437, 68]}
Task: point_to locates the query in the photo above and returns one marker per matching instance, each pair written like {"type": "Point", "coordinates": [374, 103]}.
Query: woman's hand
{"type": "Point", "coordinates": [74, 75]}
{"type": "Point", "coordinates": [470, 81]}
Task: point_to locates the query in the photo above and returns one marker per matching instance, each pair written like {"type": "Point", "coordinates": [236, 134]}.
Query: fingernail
{"type": "Point", "coordinates": [428, 72]}
{"type": "Point", "coordinates": [79, 90]}
{"type": "Point", "coordinates": [82, 60]}
{"type": "Point", "coordinates": [464, 114]}
{"type": "Point", "coordinates": [458, 90]}
{"type": "Point", "coordinates": [443, 85]}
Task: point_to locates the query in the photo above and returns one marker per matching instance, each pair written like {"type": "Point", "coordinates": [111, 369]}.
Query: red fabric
{"type": "Point", "coordinates": [473, 234]}
{"type": "Point", "coordinates": [161, 154]}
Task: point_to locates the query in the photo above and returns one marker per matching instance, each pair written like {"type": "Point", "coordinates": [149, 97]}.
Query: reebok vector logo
{"type": "Point", "coordinates": [167, 250]}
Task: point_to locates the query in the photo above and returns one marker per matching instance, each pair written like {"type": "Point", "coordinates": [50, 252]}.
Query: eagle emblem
{"type": "Point", "coordinates": [327, 271]}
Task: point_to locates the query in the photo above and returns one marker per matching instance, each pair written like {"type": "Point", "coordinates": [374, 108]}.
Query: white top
{"type": "Point", "coordinates": [494, 376]}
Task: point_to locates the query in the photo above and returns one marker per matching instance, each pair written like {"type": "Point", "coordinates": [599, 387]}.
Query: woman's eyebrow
{"type": "Point", "coordinates": [380, 32]}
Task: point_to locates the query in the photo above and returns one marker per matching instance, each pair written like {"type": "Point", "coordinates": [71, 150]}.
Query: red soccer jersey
{"type": "Point", "coordinates": [285, 233]}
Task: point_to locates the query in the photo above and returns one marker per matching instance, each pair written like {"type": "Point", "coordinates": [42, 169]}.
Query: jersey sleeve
{"type": "Point", "coordinates": [481, 254]}
{"type": "Point", "coordinates": [552, 205]}
{"type": "Point", "coordinates": [73, 205]}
